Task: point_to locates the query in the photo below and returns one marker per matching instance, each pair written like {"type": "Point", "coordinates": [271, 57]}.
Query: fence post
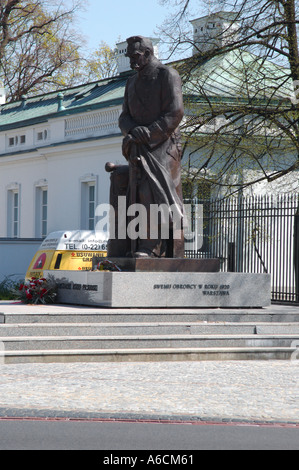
{"type": "Point", "coordinates": [231, 256]}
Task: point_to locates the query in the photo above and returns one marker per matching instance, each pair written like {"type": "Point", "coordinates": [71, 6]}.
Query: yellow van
{"type": "Point", "coordinates": [67, 251]}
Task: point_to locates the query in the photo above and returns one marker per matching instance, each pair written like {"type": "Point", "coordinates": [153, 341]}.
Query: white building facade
{"type": "Point", "coordinates": [60, 174]}
{"type": "Point", "coordinates": [52, 165]}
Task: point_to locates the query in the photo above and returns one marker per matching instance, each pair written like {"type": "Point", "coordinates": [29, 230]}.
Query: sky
{"type": "Point", "coordinates": [109, 20]}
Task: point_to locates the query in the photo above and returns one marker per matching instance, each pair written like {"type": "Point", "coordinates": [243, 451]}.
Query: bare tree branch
{"type": "Point", "coordinates": [37, 45]}
{"type": "Point", "coordinates": [244, 86]}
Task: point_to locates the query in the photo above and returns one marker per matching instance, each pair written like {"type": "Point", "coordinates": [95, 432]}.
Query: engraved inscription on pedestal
{"type": "Point", "coordinates": [147, 289]}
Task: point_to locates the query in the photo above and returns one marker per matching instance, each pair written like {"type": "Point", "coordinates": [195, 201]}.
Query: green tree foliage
{"type": "Point", "coordinates": [101, 64]}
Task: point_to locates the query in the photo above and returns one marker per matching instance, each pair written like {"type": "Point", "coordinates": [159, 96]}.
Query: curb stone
{"type": "Point", "coordinates": [39, 414]}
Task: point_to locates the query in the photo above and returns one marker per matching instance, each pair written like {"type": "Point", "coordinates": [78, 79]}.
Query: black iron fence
{"type": "Point", "coordinates": [257, 234]}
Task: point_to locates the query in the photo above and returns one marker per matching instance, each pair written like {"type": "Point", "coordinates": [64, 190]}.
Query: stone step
{"type": "Point", "coordinates": [154, 328]}
{"type": "Point", "coordinates": [64, 334]}
{"type": "Point", "coordinates": [146, 342]}
{"type": "Point", "coordinates": [147, 355]}
{"type": "Point", "coordinates": [154, 315]}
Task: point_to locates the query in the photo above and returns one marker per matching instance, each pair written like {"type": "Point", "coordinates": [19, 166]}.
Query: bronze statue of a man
{"type": "Point", "coordinates": [152, 112]}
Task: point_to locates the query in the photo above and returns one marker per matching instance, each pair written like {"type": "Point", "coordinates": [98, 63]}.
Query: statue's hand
{"type": "Point", "coordinates": [141, 135]}
{"type": "Point", "coordinates": [134, 160]}
{"type": "Point", "coordinates": [126, 146]}
{"type": "Point", "coordinates": [128, 152]}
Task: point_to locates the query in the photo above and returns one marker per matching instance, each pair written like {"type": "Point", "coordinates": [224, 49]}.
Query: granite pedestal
{"type": "Point", "coordinates": [183, 265]}
{"type": "Point", "coordinates": [163, 289]}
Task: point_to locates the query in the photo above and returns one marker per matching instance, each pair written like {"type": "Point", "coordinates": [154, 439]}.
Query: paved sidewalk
{"type": "Point", "coordinates": [242, 391]}
{"type": "Point", "coordinates": [260, 391]}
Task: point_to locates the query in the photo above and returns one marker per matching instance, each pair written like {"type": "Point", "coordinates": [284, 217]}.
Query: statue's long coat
{"type": "Point", "coordinates": [153, 98]}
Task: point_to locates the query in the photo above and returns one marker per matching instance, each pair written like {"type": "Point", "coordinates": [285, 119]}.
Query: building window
{"type": "Point", "coordinates": [15, 222]}
{"type": "Point", "coordinates": [17, 140]}
{"type": "Point", "coordinates": [13, 213]}
{"type": "Point", "coordinates": [42, 136]}
{"type": "Point", "coordinates": [91, 206]}
{"type": "Point", "coordinates": [41, 211]}
{"type": "Point", "coordinates": [44, 211]}
{"type": "Point", "coordinates": [88, 202]}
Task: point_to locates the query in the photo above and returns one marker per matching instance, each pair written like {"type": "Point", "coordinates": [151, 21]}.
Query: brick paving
{"type": "Point", "coordinates": [260, 391]}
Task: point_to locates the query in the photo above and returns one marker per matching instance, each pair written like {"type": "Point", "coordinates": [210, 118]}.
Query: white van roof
{"type": "Point", "coordinates": [76, 240]}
